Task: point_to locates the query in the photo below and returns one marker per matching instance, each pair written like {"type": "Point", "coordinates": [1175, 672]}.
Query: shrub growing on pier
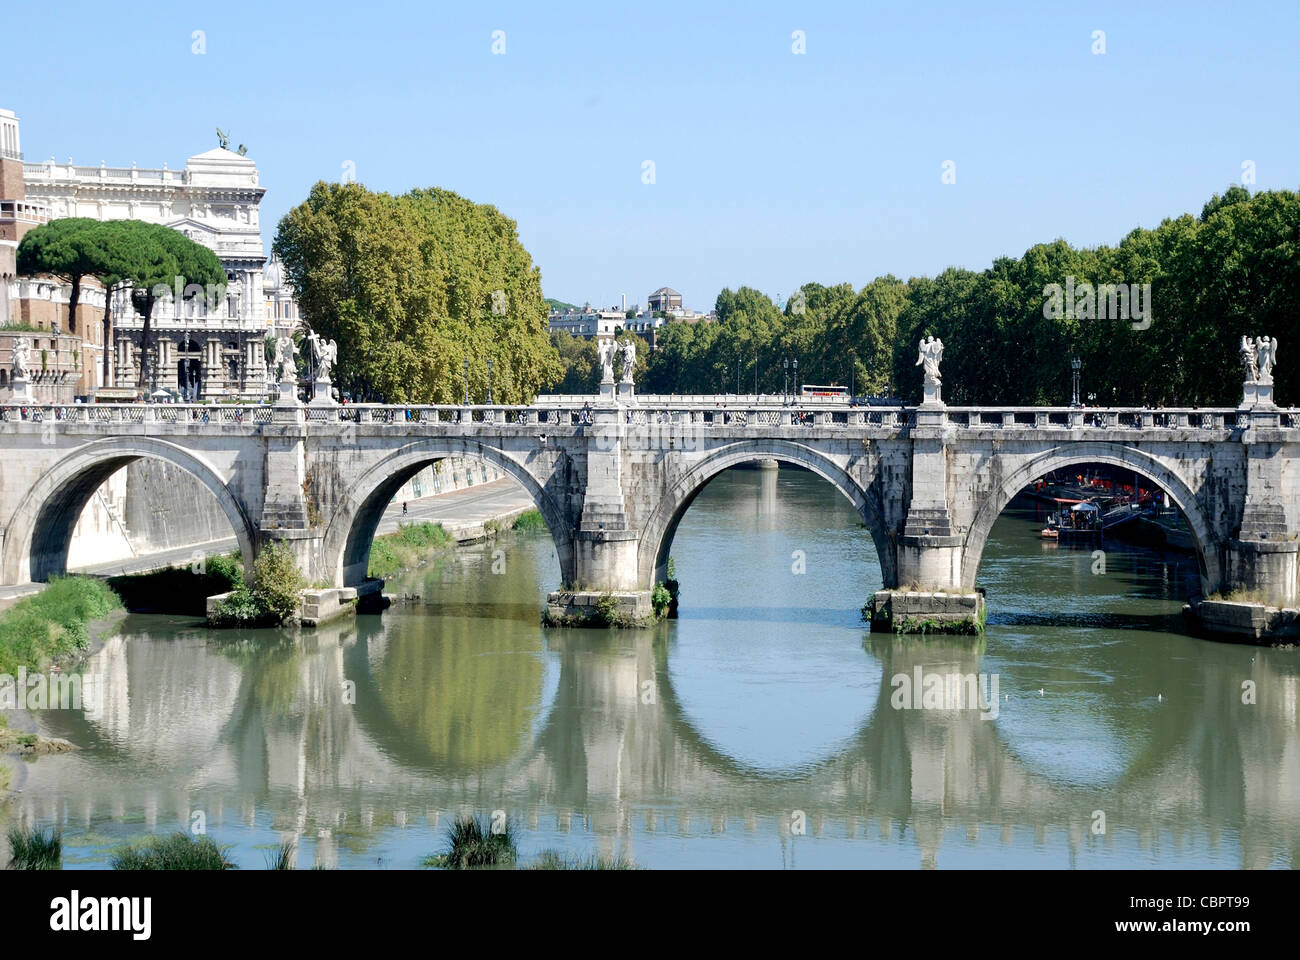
{"type": "Point", "coordinates": [35, 849]}
{"type": "Point", "coordinates": [277, 582]}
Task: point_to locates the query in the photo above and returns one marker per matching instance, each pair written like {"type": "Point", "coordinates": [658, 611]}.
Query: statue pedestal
{"type": "Point", "coordinates": [607, 391]}
{"type": "Point", "coordinates": [22, 391]}
{"type": "Point", "coordinates": [1256, 394]}
{"type": "Point", "coordinates": [933, 395]}
{"type": "Point", "coordinates": [321, 395]}
{"type": "Point", "coordinates": [288, 395]}
{"type": "Point", "coordinates": [626, 393]}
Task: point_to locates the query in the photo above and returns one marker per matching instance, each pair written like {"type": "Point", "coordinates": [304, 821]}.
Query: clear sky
{"type": "Point", "coordinates": [771, 168]}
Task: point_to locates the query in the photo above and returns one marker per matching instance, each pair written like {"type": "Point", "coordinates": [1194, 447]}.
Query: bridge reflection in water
{"type": "Point", "coordinates": [696, 744]}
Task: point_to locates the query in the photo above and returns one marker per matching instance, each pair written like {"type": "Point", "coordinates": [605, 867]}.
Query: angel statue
{"type": "Point", "coordinates": [1249, 358]}
{"type": "Point", "coordinates": [1266, 356]}
{"type": "Point", "coordinates": [22, 352]}
{"type": "Point", "coordinates": [285, 351]}
{"type": "Point", "coordinates": [605, 353]}
{"type": "Point", "coordinates": [326, 353]}
{"type": "Point", "coordinates": [931, 352]}
{"type": "Point", "coordinates": [629, 360]}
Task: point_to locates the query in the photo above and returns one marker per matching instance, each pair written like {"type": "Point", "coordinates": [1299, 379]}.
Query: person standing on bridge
{"type": "Point", "coordinates": [403, 508]}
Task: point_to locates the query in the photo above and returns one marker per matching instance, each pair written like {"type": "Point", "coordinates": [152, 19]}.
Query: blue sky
{"type": "Point", "coordinates": [771, 168]}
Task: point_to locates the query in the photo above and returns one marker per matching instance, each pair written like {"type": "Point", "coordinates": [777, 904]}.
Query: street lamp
{"type": "Point", "coordinates": [467, 381]}
{"type": "Point", "coordinates": [785, 382]}
{"type": "Point", "coordinates": [489, 381]}
{"type": "Point", "coordinates": [796, 375]}
{"type": "Point", "coordinates": [1075, 365]}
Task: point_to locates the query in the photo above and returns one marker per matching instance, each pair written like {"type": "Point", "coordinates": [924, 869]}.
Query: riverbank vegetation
{"type": "Point", "coordinates": [53, 623]}
{"type": "Point", "coordinates": [471, 842]}
{"type": "Point", "coordinates": [554, 860]}
{"type": "Point", "coordinates": [391, 553]}
{"type": "Point", "coordinates": [34, 849]}
{"type": "Point", "coordinates": [1214, 277]}
{"type": "Point", "coordinates": [176, 851]}
{"type": "Point", "coordinates": [531, 519]}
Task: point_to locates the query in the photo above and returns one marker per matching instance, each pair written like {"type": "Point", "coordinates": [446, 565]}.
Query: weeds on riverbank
{"type": "Point", "coordinates": [530, 520]}
{"type": "Point", "coordinates": [52, 623]}
{"type": "Point", "coordinates": [34, 849]}
{"type": "Point", "coordinates": [554, 860]}
{"type": "Point", "coordinates": [394, 552]}
{"type": "Point", "coordinates": [472, 843]}
{"type": "Point", "coordinates": [177, 851]}
{"type": "Point", "coordinates": [282, 857]}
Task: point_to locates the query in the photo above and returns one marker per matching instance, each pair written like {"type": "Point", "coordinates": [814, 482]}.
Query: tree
{"type": "Point", "coordinates": [414, 286]}
{"type": "Point", "coordinates": [158, 260]}
{"type": "Point", "coordinates": [64, 248]}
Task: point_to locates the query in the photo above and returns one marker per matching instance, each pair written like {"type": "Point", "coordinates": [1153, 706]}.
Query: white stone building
{"type": "Point", "coordinates": [214, 201]}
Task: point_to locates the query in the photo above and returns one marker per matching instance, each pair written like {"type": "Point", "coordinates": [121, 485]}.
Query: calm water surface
{"type": "Point", "coordinates": [755, 731]}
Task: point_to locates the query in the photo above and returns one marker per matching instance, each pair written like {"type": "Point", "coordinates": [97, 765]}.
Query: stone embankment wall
{"type": "Point", "coordinates": [151, 505]}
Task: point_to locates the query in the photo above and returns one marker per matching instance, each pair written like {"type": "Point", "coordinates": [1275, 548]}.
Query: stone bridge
{"type": "Point", "coordinates": [613, 477]}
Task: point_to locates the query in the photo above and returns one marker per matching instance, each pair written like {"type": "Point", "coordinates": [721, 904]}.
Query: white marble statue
{"type": "Point", "coordinates": [326, 353]}
{"type": "Point", "coordinates": [1265, 356]}
{"type": "Point", "coordinates": [931, 352]}
{"type": "Point", "coordinates": [1249, 364]}
{"type": "Point", "coordinates": [22, 352]}
{"type": "Point", "coordinates": [629, 360]}
{"type": "Point", "coordinates": [286, 370]}
{"type": "Point", "coordinates": [605, 353]}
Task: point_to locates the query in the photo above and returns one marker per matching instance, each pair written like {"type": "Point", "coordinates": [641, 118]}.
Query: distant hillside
{"type": "Point", "coordinates": [560, 305]}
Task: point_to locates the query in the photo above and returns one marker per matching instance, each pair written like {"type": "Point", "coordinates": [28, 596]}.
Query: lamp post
{"type": "Point", "coordinates": [796, 376]}
{"type": "Point", "coordinates": [467, 381]}
{"type": "Point", "coordinates": [785, 382]}
{"type": "Point", "coordinates": [1075, 366]}
{"type": "Point", "coordinates": [489, 381]}
{"type": "Point", "coordinates": [853, 369]}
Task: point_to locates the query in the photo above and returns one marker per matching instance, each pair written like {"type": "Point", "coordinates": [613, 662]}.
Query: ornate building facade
{"type": "Point", "coordinates": [200, 350]}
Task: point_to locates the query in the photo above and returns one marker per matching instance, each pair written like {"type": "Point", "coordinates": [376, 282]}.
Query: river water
{"type": "Point", "coordinates": [766, 727]}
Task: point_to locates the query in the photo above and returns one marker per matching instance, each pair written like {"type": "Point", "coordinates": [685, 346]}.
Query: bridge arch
{"type": "Point", "coordinates": [38, 534]}
{"type": "Point", "coordinates": [351, 530]}
{"type": "Point", "coordinates": [1114, 454]}
{"type": "Point", "coordinates": [657, 535]}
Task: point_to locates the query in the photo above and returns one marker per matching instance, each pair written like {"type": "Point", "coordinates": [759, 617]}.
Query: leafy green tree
{"type": "Point", "coordinates": [412, 287]}
{"type": "Point", "coordinates": [153, 260]}
{"type": "Point", "coordinates": [70, 249]}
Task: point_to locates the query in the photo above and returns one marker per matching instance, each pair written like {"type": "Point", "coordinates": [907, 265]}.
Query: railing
{"type": "Point", "coordinates": [696, 412]}
{"type": "Point", "coordinates": [1104, 418]}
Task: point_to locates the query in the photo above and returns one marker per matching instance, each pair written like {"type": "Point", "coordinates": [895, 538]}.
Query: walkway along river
{"type": "Point", "coordinates": [763, 728]}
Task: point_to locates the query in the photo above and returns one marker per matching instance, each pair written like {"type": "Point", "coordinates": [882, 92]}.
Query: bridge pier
{"type": "Point", "coordinates": [929, 596]}
{"type": "Point", "coordinates": [606, 589]}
